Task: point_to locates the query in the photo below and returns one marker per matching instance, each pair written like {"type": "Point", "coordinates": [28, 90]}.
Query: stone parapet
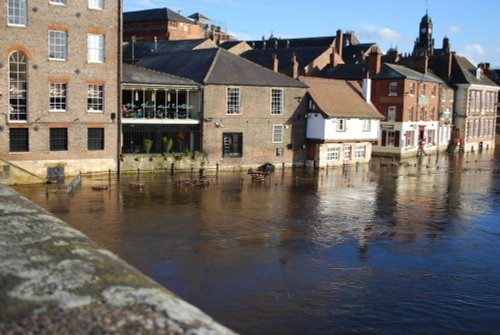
{"type": "Point", "coordinates": [55, 280]}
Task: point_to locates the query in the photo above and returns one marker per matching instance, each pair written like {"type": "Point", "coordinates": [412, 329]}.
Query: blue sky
{"type": "Point", "coordinates": [470, 25]}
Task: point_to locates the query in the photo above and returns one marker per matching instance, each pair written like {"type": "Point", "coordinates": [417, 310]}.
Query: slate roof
{"type": "Point", "coordinates": [157, 14]}
{"type": "Point", "coordinates": [143, 49]}
{"type": "Point", "coordinates": [217, 67]}
{"type": "Point", "coordinates": [307, 42]}
{"type": "Point", "coordinates": [463, 72]}
{"type": "Point", "coordinates": [132, 74]}
{"type": "Point", "coordinates": [229, 44]}
{"type": "Point", "coordinates": [198, 16]}
{"type": "Point", "coordinates": [264, 57]}
{"type": "Point", "coordinates": [351, 53]}
{"type": "Point", "coordinates": [393, 71]}
{"type": "Point", "coordinates": [343, 71]}
{"type": "Point", "coordinates": [340, 98]}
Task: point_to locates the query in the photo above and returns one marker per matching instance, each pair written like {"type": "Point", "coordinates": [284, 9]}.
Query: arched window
{"type": "Point", "coordinates": [18, 86]}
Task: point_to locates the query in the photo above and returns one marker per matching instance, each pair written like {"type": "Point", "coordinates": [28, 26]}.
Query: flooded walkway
{"type": "Point", "coordinates": [386, 248]}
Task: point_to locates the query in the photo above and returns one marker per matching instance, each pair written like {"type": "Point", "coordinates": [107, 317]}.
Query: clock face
{"type": "Point", "coordinates": [423, 30]}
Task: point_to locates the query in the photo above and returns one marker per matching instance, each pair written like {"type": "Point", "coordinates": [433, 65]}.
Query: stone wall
{"type": "Point", "coordinates": [54, 280]}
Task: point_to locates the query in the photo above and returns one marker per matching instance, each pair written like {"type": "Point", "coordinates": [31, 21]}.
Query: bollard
{"type": "Point", "coordinates": [138, 174]}
{"type": "Point", "coordinates": [172, 168]}
{"type": "Point", "coordinates": [109, 177]}
{"type": "Point", "coordinates": [217, 169]}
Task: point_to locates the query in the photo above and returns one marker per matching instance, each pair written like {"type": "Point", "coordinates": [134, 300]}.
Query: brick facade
{"type": "Point", "coordinates": [76, 72]}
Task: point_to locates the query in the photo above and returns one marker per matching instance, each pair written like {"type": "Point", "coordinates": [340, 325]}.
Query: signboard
{"type": "Point", "coordinates": [423, 101]}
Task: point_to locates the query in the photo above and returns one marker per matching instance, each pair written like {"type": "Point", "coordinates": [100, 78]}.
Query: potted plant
{"type": "Point", "coordinates": [148, 143]}
{"type": "Point", "coordinates": [168, 143]}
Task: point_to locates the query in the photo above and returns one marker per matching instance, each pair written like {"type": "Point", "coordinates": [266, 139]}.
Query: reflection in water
{"type": "Point", "coordinates": [372, 249]}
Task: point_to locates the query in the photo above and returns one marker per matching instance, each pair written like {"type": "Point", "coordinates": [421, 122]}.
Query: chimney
{"type": "Point", "coordinates": [486, 66]}
{"type": "Point", "coordinates": [446, 65]}
{"type": "Point", "coordinates": [479, 71]}
{"type": "Point", "coordinates": [333, 61]}
{"type": "Point", "coordinates": [367, 90]}
{"type": "Point", "coordinates": [275, 62]}
{"type": "Point", "coordinates": [422, 63]}
{"type": "Point", "coordinates": [374, 63]}
{"type": "Point", "coordinates": [446, 45]}
{"type": "Point", "coordinates": [339, 42]}
{"type": "Point", "coordinates": [295, 67]}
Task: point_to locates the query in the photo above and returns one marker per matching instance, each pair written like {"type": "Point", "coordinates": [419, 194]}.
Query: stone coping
{"type": "Point", "coordinates": [55, 280]}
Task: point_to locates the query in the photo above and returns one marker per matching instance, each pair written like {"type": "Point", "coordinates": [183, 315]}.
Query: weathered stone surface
{"type": "Point", "coordinates": [53, 279]}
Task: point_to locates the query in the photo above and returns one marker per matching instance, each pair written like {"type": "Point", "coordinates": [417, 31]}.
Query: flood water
{"type": "Point", "coordinates": [372, 249]}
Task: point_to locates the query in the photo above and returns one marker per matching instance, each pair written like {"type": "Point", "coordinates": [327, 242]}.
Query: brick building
{"type": "Point", "coordinates": [251, 115]}
{"type": "Point", "coordinates": [58, 87]}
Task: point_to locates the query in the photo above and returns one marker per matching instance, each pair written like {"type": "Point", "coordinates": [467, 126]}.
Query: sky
{"type": "Point", "coordinates": [471, 26]}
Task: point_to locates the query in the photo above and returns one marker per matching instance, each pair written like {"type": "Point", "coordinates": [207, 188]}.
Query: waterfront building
{"type": "Point", "coordinates": [159, 107]}
{"type": "Point", "coordinates": [59, 87]}
{"type": "Point", "coordinates": [250, 114]}
{"type": "Point", "coordinates": [342, 123]}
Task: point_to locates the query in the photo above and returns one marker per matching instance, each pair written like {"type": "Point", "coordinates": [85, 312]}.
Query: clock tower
{"type": "Point", "coordinates": [424, 42]}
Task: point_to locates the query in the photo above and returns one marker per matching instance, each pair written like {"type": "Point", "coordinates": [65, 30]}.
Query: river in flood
{"type": "Point", "coordinates": [378, 248]}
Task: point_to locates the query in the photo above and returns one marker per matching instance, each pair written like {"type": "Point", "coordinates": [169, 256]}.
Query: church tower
{"type": "Point", "coordinates": [424, 42]}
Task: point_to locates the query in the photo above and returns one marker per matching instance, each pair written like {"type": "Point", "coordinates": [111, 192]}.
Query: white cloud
{"type": "Point", "coordinates": [370, 31]}
{"type": "Point", "coordinates": [475, 49]}
{"type": "Point", "coordinates": [475, 53]}
{"type": "Point", "coordinates": [241, 35]}
{"type": "Point", "coordinates": [452, 29]}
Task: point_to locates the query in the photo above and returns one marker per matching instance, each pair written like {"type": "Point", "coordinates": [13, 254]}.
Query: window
{"type": "Point", "coordinates": [347, 152]}
{"type": "Point", "coordinates": [276, 101]}
{"type": "Point", "coordinates": [393, 89]}
{"type": "Point", "coordinates": [410, 113]}
{"type": "Point", "coordinates": [58, 45]}
{"type": "Point", "coordinates": [341, 125]}
{"type": "Point", "coordinates": [95, 46]}
{"type": "Point", "coordinates": [433, 113]}
{"type": "Point", "coordinates": [478, 101]}
{"type": "Point", "coordinates": [433, 91]}
{"type": "Point", "coordinates": [360, 152]}
{"type": "Point", "coordinates": [57, 97]}
{"type": "Point", "coordinates": [333, 154]}
{"type": "Point", "coordinates": [95, 98]}
{"type": "Point", "coordinates": [278, 133]}
{"type": "Point", "coordinates": [57, 2]}
{"type": "Point", "coordinates": [18, 140]}
{"type": "Point", "coordinates": [410, 138]}
{"type": "Point", "coordinates": [422, 90]}
{"type": "Point", "coordinates": [233, 100]}
{"type": "Point", "coordinates": [232, 144]}
{"type": "Point", "coordinates": [412, 88]}
{"type": "Point", "coordinates": [95, 139]}
{"type": "Point", "coordinates": [422, 114]}
{"type": "Point", "coordinates": [367, 125]}
{"type": "Point", "coordinates": [391, 114]}
{"type": "Point", "coordinates": [58, 139]}
{"type": "Point", "coordinates": [390, 138]}
{"type": "Point", "coordinates": [472, 105]}
{"type": "Point", "coordinates": [18, 86]}
{"type": "Point", "coordinates": [431, 136]}
{"type": "Point", "coordinates": [17, 13]}
{"type": "Point", "coordinates": [96, 4]}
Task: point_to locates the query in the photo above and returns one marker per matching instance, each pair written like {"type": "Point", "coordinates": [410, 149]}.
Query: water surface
{"type": "Point", "coordinates": [372, 249]}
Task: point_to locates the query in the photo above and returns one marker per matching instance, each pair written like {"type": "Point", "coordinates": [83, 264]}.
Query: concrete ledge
{"type": "Point", "coordinates": [54, 280]}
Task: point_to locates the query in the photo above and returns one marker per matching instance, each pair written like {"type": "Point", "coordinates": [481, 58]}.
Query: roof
{"type": "Point", "coordinates": [157, 14]}
{"type": "Point", "coordinates": [198, 16]}
{"type": "Point", "coordinates": [393, 71]}
{"type": "Point", "coordinates": [306, 42]}
{"type": "Point", "coordinates": [144, 49]}
{"type": "Point", "coordinates": [132, 74]}
{"type": "Point", "coordinates": [217, 67]}
{"type": "Point", "coordinates": [344, 71]}
{"type": "Point", "coordinates": [340, 98]}
{"type": "Point", "coordinates": [230, 44]}
{"type": "Point", "coordinates": [264, 57]}
{"type": "Point", "coordinates": [351, 53]}
{"type": "Point", "coordinates": [463, 72]}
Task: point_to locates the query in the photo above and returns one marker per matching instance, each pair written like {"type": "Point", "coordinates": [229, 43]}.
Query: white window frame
{"type": "Point", "coordinates": [333, 154]}
{"type": "Point", "coordinates": [58, 45]}
{"type": "Point", "coordinates": [393, 89]}
{"type": "Point", "coordinates": [18, 87]}
{"type": "Point", "coordinates": [278, 133]}
{"type": "Point", "coordinates": [96, 4]}
{"type": "Point", "coordinates": [58, 2]}
{"type": "Point", "coordinates": [95, 98]}
{"type": "Point", "coordinates": [17, 13]}
{"type": "Point", "coordinates": [277, 101]}
{"type": "Point", "coordinates": [391, 114]}
{"type": "Point", "coordinates": [347, 152]}
{"type": "Point", "coordinates": [58, 97]}
{"type": "Point", "coordinates": [412, 89]}
{"type": "Point", "coordinates": [96, 46]}
{"type": "Point", "coordinates": [367, 125]}
{"type": "Point", "coordinates": [341, 125]}
{"type": "Point", "coordinates": [233, 101]}
{"type": "Point", "coordinates": [360, 152]}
